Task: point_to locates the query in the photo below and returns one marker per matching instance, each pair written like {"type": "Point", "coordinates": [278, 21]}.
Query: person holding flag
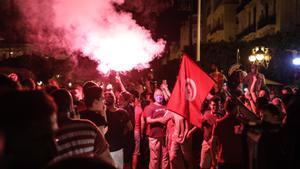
{"type": "Point", "coordinates": [191, 89]}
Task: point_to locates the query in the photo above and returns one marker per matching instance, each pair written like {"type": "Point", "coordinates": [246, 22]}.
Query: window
{"type": "Point", "coordinates": [267, 9]}
{"type": "Point", "coordinates": [254, 16]}
{"type": "Point", "coordinates": [274, 7]}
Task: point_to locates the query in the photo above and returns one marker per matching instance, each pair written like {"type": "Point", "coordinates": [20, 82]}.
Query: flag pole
{"type": "Point", "coordinates": [199, 31]}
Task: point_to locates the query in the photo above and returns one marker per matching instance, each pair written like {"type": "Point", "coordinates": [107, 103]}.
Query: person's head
{"type": "Point", "coordinates": [158, 96]}
{"type": "Point", "coordinates": [77, 92]}
{"type": "Point", "coordinates": [7, 84]}
{"type": "Point", "coordinates": [124, 99]}
{"type": "Point", "coordinates": [110, 99]}
{"type": "Point", "coordinates": [214, 67]}
{"type": "Point", "coordinates": [263, 93]}
{"type": "Point", "coordinates": [64, 102]}
{"type": "Point", "coordinates": [28, 84]}
{"type": "Point", "coordinates": [28, 121]}
{"type": "Point", "coordinates": [272, 95]}
{"type": "Point", "coordinates": [287, 94]}
{"type": "Point", "coordinates": [260, 103]}
{"type": "Point", "coordinates": [109, 88]}
{"type": "Point", "coordinates": [271, 114]}
{"type": "Point", "coordinates": [214, 104]}
{"type": "Point", "coordinates": [278, 103]}
{"type": "Point", "coordinates": [87, 85]}
{"type": "Point", "coordinates": [254, 69]}
{"type": "Point", "coordinates": [94, 99]}
{"type": "Point", "coordinates": [230, 107]}
{"type": "Point", "coordinates": [139, 88]}
{"type": "Point", "coordinates": [136, 97]}
{"type": "Point", "coordinates": [14, 77]}
{"type": "Point", "coordinates": [286, 90]}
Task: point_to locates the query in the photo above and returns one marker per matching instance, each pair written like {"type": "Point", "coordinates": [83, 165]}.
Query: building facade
{"type": "Point", "coordinates": [246, 20]}
{"type": "Point", "coordinates": [259, 18]}
{"type": "Point", "coordinates": [221, 22]}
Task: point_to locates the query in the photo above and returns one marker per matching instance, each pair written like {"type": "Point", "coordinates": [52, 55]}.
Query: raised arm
{"type": "Point", "coordinates": [119, 81]}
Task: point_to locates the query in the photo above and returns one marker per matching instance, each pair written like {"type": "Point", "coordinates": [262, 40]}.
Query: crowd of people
{"type": "Point", "coordinates": [116, 126]}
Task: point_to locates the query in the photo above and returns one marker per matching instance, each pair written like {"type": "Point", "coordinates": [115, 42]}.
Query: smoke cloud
{"type": "Point", "coordinates": [110, 37]}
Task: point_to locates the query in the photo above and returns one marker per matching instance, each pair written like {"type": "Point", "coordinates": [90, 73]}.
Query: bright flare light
{"type": "Point", "coordinates": [123, 51]}
{"type": "Point", "coordinates": [296, 61]}
{"type": "Point", "coordinates": [110, 37]}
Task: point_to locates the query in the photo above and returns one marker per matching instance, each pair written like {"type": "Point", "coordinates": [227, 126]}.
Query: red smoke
{"type": "Point", "coordinates": [111, 38]}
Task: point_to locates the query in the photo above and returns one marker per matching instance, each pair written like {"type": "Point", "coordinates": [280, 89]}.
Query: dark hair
{"type": "Point", "coordinates": [63, 100]}
{"type": "Point", "coordinates": [126, 95]}
{"type": "Point", "coordinates": [26, 121]}
{"type": "Point", "coordinates": [272, 109]}
{"type": "Point", "coordinates": [29, 83]}
{"type": "Point", "coordinates": [215, 99]}
{"type": "Point", "coordinates": [135, 94]}
{"type": "Point", "coordinates": [20, 108]}
{"type": "Point", "coordinates": [91, 94]}
{"type": "Point", "coordinates": [229, 106]}
{"type": "Point", "coordinates": [261, 102]}
{"type": "Point", "coordinates": [6, 84]}
{"type": "Point", "coordinates": [87, 85]}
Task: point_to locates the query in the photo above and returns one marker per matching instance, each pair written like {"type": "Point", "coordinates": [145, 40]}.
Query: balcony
{"type": "Point", "coordinates": [216, 28]}
{"type": "Point", "coordinates": [242, 5]}
{"type": "Point", "coordinates": [246, 31]}
{"type": "Point", "coordinates": [270, 20]}
{"type": "Point", "coordinates": [217, 4]}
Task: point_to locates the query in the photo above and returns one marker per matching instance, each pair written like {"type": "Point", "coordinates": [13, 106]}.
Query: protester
{"type": "Point", "coordinates": [77, 137]}
{"type": "Point", "coordinates": [27, 123]}
{"type": "Point", "coordinates": [95, 112]}
{"type": "Point", "coordinates": [119, 125]}
{"type": "Point", "coordinates": [270, 148]}
{"type": "Point", "coordinates": [227, 139]}
{"type": "Point", "coordinates": [138, 128]}
{"type": "Point", "coordinates": [181, 145]}
{"type": "Point", "coordinates": [125, 102]}
{"type": "Point", "coordinates": [156, 120]}
{"type": "Point", "coordinates": [260, 79]}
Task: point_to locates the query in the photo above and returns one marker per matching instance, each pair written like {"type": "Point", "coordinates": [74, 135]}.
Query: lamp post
{"type": "Point", "coordinates": [260, 56]}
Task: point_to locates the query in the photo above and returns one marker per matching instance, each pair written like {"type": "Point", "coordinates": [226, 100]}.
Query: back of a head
{"type": "Point", "coordinates": [261, 102]}
{"type": "Point", "coordinates": [230, 106]}
{"type": "Point", "coordinates": [87, 85]}
{"type": "Point", "coordinates": [6, 84]}
{"type": "Point", "coordinates": [28, 127]}
{"type": "Point", "coordinates": [63, 100]}
{"type": "Point", "coordinates": [135, 94]}
{"type": "Point", "coordinates": [126, 95]}
{"type": "Point", "coordinates": [28, 84]}
{"type": "Point", "coordinates": [91, 94]}
{"type": "Point", "coordinates": [80, 163]}
{"type": "Point", "coordinates": [273, 110]}
{"type": "Point", "coordinates": [215, 99]}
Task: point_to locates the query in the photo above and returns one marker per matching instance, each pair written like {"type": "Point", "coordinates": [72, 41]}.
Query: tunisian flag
{"type": "Point", "coordinates": [191, 88]}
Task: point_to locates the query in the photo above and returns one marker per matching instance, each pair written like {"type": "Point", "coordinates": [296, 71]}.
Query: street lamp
{"type": "Point", "coordinates": [260, 56]}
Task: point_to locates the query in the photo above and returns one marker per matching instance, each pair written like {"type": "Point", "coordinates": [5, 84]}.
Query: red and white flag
{"type": "Point", "coordinates": [191, 88]}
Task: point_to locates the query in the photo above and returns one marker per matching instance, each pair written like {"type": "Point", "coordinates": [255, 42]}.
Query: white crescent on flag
{"type": "Point", "coordinates": [190, 90]}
